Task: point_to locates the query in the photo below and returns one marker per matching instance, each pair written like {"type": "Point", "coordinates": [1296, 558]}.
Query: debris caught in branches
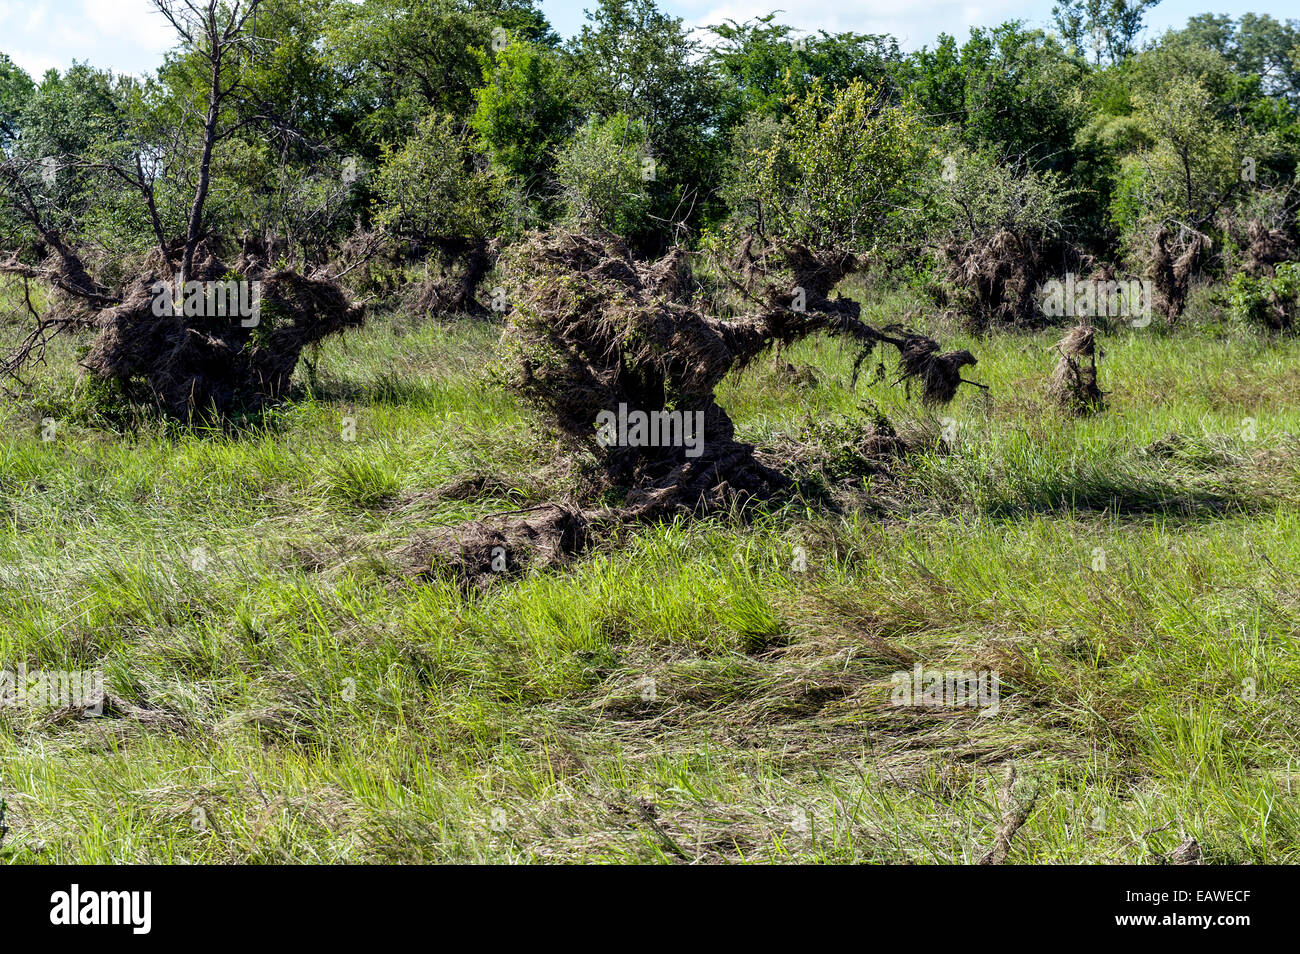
{"type": "Point", "coordinates": [1073, 384]}
{"type": "Point", "coordinates": [596, 332]}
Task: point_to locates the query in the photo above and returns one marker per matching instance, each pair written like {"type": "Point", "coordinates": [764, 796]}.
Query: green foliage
{"type": "Point", "coordinates": [756, 136]}
{"type": "Point", "coordinates": [435, 188]}
{"type": "Point", "coordinates": [1109, 27]}
{"type": "Point", "coordinates": [839, 169]}
{"type": "Point", "coordinates": [1007, 88]}
{"type": "Point", "coordinates": [524, 109]}
{"type": "Point", "coordinates": [16, 88]}
{"type": "Point", "coordinates": [1266, 302]}
{"type": "Point", "coordinates": [826, 137]}
{"type": "Point", "coordinates": [633, 60]}
{"type": "Point", "coordinates": [603, 174]}
{"type": "Point", "coordinates": [1255, 44]}
{"type": "Point", "coordinates": [1188, 162]}
{"type": "Point", "coordinates": [972, 195]}
{"type": "Point", "coordinates": [68, 113]}
{"type": "Point", "coordinates": [759, 62]}
{"type": "Point", "coordinates": [401, 58]}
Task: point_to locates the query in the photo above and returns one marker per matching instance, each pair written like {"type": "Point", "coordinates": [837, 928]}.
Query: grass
{"type": "Point", "coordinates": [711, 691]}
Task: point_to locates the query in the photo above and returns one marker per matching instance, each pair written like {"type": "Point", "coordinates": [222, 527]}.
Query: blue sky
{"type": "Point", "coordinates": [126, 35]}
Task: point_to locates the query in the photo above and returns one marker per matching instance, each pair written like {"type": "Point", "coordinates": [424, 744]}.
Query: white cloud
{"type": "Point", "coordinates": [123, 35]}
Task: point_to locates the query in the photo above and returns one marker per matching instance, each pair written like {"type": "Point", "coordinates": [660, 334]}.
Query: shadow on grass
{"type": "Point", "coordinates": [386, 390]}
{"type": "Point", "coordinates": [1098, 489]}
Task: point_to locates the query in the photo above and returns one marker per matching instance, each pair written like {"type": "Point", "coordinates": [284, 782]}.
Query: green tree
{"type": "Point", "coordinates": [760, 61]}
{"type": "Point", "coordinates": [16, 88]}
{"type": "Point", "coordinates": [436, 191]}
{"type": "Point", "coordinates": [524, 109]}
{"type": "Point", "coordinates": [434, 188]}
{"type": "Point", "coordinates": [1008, 89]}
{"type": "Point", "coordinates": [401, 58]}
{"type": "Point", "coordinates": [1109, 27]}
{"type": "Point", "coordinates": [1256, 44]}
{"type": "Point", "coordinates": [1189, 164]}
{"type": "Point", "coordinates": [633, 60]}
{"type": "Point", "coordinates": [841, 170]}
{"type": "Point", "coordinates": [603, 175]}
{"type": "Point", "coordinates": [974, 194]}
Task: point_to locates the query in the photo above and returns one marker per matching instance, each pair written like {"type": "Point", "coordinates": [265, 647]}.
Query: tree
{"type": "Point", "coordinates": [1189, 167]}
{"type": "Point", "coordinates": [602, 175]}
{"type": "Point", "coordinates": [524, 110]}
{"type": "Point", "coordinates": [1006, 88]}
{"type": "Point", "coordinates": [1255, 44]}
{"type": "Point", "coordinates": [401, 58]}
{"type": "Point", "coordinates": [1110, 27]}
{"type": "Point", "coordinates": [436, 191]}
{"type": "Point", "coordinates": [15, 89]}
{"type": "Point", "coordinates": [992, 223]}
{"type": "Point", "coordinates": [759, 62]}
{"type": "Point", "coordinates": [631, 59]}
{"type": "Point", "coordinates": [841, 168]}
{"type": "Point", "coordinates": [216, 41]}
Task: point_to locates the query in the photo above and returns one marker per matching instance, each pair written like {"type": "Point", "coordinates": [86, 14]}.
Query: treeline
{"type": "Point", "coordinates": [442, 129]}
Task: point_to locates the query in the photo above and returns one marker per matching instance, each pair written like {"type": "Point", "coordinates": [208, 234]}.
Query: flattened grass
{"type": "Point", "coordinates": [717, 691]}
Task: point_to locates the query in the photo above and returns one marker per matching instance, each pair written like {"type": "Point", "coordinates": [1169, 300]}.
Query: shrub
{"type": "Point", "coordinates": [1267, 302]}
{"type": "Point", "coordinates": [603, 172]}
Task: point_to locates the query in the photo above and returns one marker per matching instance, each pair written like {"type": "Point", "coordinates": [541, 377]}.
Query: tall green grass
{"type": "Point", "coordinates": [282, 690]}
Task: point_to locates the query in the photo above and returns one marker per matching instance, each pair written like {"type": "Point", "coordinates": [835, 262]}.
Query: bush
{"type": "Point", "coordinates": [603, 172]}
{"type": "Point", "coordinates": [1267, 302]}
{"type": "Point", "coordinates": [435, 189]}
{"type": "Point", "coordinates": [995, 223]}
{"type": "Point", "coordinates": [844, 162]}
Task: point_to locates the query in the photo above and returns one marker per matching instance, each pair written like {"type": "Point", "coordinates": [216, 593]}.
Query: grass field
{"type": "Point", "coordinates": [284, 691]}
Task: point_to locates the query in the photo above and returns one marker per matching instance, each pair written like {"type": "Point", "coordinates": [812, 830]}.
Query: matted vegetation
{"type": "Point", "coordinates": [684, 693]}
{"type": "Point", "coordinates": [579, 475]}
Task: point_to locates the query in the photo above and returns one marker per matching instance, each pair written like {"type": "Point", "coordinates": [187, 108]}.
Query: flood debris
{"type": "Point", "coordinates": [481, 552]}
{"type": "Point", "coordinates": [1173, 261]}
{"type": "Point", "coordinates": [1266, 249]}
{"type": "Point", "coordinates": [994, 277]}
{"type": "Point", "coordinates": [596, 334]}
{"type": "Point", "coordinates": [206, 361]}
{"type": "Point", "coordinates": [1073, 384]}
{"type": "Point", "coordinates": [218, 341]}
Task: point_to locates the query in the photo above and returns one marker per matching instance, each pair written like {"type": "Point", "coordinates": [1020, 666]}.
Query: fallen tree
{"type": "Point", "coordinates": [213, 362]}
{"type": "Point", "coordinates": [604, 344]}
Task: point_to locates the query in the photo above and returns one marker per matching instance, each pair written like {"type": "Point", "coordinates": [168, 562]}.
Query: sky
{"type": "Point", "coordinates": [128, 36]}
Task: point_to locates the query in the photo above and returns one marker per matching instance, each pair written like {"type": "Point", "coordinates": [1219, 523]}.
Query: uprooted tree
{"type": "Point", "coordinates": [176, 325]}
{"type": "Point", "coordinates": [997, 223]}
{"type": "Point", "coordinates": [596, 334]}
